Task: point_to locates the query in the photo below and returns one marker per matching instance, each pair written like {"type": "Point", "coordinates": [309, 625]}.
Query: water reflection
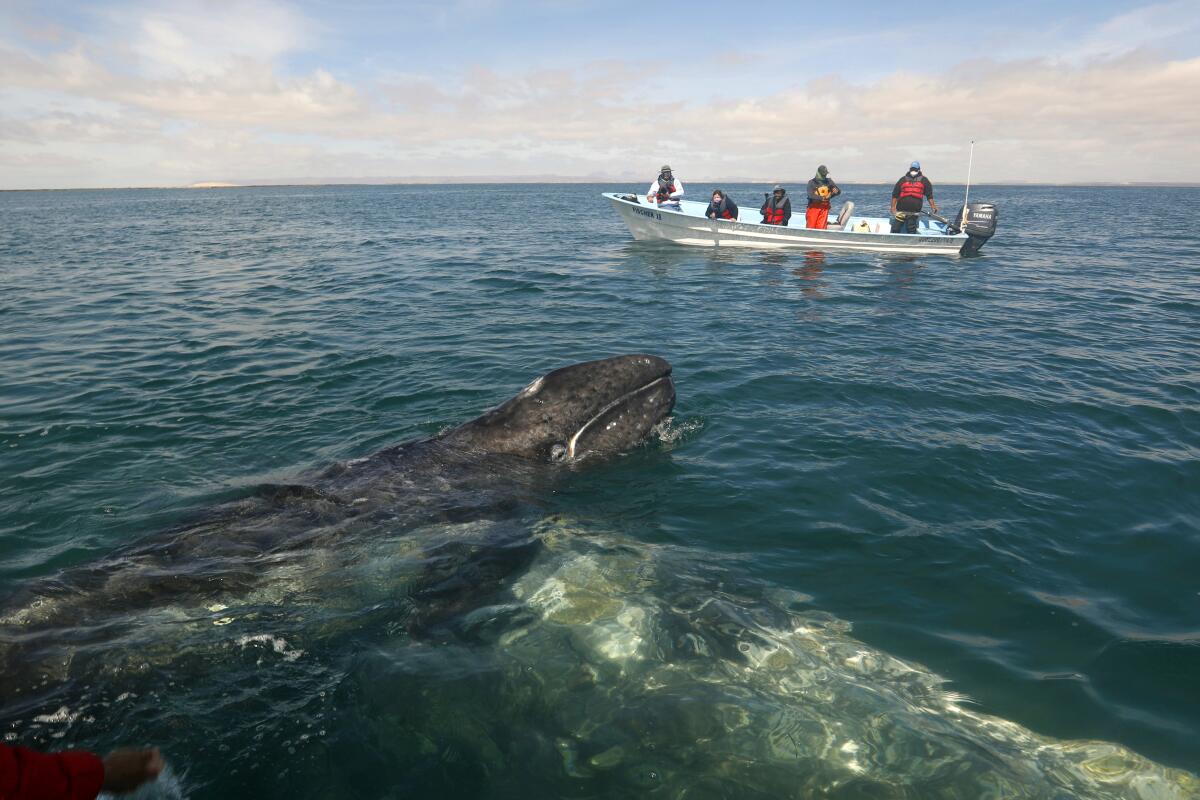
{"type": "Point", "coordinates": [901, 273]}
{"type": "Point", "coordinates": [810, 273]}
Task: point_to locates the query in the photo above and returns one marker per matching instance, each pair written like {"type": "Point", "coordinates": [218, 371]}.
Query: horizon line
{"type": "Point", "coordinates": [486, 180]}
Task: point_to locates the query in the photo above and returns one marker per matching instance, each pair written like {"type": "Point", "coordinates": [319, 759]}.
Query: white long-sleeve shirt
{"type": "Point", "coordinates": [652, 192]}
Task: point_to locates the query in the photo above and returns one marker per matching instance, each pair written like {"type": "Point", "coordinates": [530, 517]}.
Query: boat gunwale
{"type": "Point", "coordinates": [930, 243]}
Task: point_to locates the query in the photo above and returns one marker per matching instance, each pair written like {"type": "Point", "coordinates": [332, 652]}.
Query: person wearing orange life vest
{"type": "Point", "coordinates": [821, 189]}
{"type": "Point", "coordinates": [776, 208]}
{"type": "Point", "coordinates": [665, 190]}
{"type": "Point", "coordinates": [721, 207]}
{"type": "Point", "coordinates": [908, 195]}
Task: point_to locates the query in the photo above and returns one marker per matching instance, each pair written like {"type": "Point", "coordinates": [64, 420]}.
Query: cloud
{"type": "Point", "coordinates": [200, 39]}
{"type": "Point", "coordinates": [243, 93]}
{"type": "Point", "coordinates": [1151, 27]}
{"type": "Point", "coordinates": [203, 91]}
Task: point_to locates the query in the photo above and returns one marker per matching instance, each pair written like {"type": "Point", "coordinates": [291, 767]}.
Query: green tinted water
{"type": "Point", "coordinates": [988, 468]}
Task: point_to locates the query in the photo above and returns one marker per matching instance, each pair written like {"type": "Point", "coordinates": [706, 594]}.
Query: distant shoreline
{"type": "Point", "coordinates": [500, 181]}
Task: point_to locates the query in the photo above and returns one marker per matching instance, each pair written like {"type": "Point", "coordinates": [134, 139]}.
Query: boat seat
{"type": "Point", "coordinates": [843, 217]}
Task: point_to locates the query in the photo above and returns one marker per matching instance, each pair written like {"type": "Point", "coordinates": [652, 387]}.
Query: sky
{"type": "Point", "coordinates": [148, 93]}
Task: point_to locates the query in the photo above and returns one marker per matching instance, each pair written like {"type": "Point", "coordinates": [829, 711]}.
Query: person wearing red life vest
{"type": "Point", "coordinates": [74, 775]}
{"type": "Point", "coordinates": [821, 189]}
{"type": "Point", "coordinates": [721, 207]}
{"type": "Point", "coordinates": [776, 208]}
{"type": "Point", "coordinates": [908, 195]}
{"type": "Point", "coordinates": [665, 190]}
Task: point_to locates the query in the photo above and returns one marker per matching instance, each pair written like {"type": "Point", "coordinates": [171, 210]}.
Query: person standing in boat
{"type": "Point", "coordinates": [908, 196]}
{"type": "Point", "coordinates": [821, 189]}
{"type": "Point", "coordinates": [777, 207]}
{"type": "Point", "coordinates": [722, 206]}
{"type": "Point", "coordinates": [665, 190]}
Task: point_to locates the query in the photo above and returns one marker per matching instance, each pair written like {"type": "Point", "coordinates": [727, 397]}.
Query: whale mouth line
{"type": "Point", "coordinates": [575, 439]}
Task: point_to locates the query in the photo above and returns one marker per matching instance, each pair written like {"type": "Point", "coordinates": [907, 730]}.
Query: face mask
{"type": "Point", "coordinates": [914, 172]}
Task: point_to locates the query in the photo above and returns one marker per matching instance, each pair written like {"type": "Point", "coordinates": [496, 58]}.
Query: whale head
{"type": "Point", "coordinates": [597, 407]}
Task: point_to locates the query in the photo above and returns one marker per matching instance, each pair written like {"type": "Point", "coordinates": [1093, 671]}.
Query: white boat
{"type": "Point", "coordinates": [688, 225]}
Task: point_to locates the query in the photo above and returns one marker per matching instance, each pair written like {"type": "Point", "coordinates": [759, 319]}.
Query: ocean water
{"type": "Point", "coordinates": [918, 526]}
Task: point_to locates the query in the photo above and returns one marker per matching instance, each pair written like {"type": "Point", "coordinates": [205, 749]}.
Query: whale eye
{"type": "Point", "coordinates": [558, 452]}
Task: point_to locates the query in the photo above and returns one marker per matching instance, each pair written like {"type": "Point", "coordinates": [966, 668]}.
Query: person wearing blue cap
{"type": "Point", "coordinates": [908, 196]}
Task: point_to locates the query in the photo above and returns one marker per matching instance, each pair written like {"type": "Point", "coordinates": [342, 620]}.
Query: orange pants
{"type": "Point", "coordinates": [817, 216]}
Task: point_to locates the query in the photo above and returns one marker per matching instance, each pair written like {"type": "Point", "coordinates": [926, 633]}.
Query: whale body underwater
{"type": "Point", "coordinates": [567, 417]}
{"type": "Point", "coordinates": [486, 647]}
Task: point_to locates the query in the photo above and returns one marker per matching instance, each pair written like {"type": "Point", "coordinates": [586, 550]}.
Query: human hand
{"type": "Point", "coordinates": [126, 770]}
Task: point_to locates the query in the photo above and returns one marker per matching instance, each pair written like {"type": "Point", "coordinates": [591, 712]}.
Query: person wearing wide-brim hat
{"type": "Point", "coordinates": [821, 189]}
{"type": "Point", "coordinates": [665, 190]}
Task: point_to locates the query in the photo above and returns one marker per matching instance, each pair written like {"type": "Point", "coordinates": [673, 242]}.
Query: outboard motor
{"type": "Point", "coordinates": [978, 221]}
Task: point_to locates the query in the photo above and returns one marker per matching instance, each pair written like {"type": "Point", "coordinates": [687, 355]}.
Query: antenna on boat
{"type": "Point", "coordinates": [967, 195]}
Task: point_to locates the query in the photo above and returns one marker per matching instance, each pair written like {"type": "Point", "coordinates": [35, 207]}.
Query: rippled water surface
{"type": "Point", "coordinates": [881, 472]}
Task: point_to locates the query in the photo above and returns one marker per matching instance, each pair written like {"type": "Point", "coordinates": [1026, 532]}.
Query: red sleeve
{"type": "Point", "coordinates": [28, 775]}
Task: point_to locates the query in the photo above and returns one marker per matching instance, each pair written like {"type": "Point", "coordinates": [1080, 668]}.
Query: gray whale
{"type": "Point", "coordinates": [567, 417]}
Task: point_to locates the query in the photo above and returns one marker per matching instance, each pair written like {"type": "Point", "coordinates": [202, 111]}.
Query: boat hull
{"type": "Point", "coordinates": [648, 222]}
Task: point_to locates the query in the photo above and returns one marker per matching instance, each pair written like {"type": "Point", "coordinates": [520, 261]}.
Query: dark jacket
{"type": "Point", "coordinates": [814, 199]}
{"type": "Point", "coordinates": [726, 209]}
{"type": "Point", "coordinates": [770, 205]}
{"type": "Point", "coordinates": [912, 203]}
